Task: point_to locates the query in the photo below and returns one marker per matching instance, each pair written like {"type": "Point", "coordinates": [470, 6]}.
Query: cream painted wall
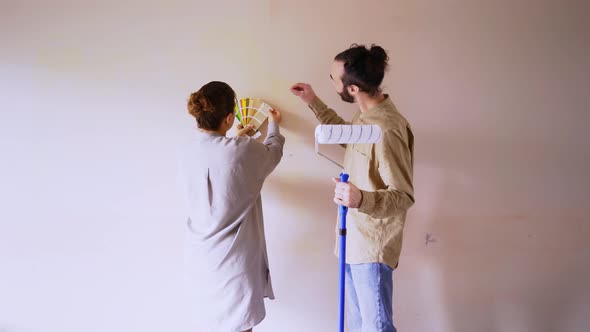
{"type": "Point", "coordinates": [93, 105]}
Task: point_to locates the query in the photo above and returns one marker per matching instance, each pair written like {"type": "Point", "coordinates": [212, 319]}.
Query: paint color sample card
{"type": "Point", "coordinates": [252, 111]}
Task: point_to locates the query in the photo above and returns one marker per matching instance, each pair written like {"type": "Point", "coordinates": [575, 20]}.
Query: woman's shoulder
{"type": "Point", "coordinates": [246, 144]}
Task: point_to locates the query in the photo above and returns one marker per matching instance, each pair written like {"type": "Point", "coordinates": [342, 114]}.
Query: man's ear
{"type": "Point", "coordinates": [353, 90]}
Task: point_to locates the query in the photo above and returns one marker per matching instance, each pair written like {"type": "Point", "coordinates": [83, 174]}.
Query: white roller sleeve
{"type": "Point", "coordinates": [345, 134]}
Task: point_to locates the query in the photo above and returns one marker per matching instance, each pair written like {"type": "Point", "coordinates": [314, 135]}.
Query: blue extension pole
{"type": "Point", "coordinates": [342, 210]}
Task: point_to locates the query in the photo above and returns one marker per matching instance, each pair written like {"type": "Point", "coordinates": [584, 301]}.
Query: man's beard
{"type": "Point", "coordinates": [346, 96]}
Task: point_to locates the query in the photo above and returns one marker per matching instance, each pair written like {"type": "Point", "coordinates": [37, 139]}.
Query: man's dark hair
{"type": "Point", "coordinates": [364, 67]}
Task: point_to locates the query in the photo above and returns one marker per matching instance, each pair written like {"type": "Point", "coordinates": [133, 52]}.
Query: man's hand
{"type": "Point", "coordinates": [243, 130]}
{"type": "Point", "coordinates": [347, 194]}
{"type": "Point", "coordinates": [303, 91]}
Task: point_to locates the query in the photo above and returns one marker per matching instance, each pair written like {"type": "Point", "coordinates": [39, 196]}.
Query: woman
{"type": "Point", "coordinates": [226, 257]}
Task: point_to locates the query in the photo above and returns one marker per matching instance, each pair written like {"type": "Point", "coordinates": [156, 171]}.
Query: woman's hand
{"type": "Point", "coordinates": [275, 116]}
{"type": "Point", "coordinates": [243, 130]}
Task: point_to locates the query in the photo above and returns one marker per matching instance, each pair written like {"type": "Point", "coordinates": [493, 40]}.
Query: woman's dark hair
{"type": "Point", "coordinates": [364, 67]}
{"type": "Point", "coordinates": [211, 104]}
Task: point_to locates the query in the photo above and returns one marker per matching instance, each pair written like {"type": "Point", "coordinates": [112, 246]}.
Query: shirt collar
{"type": "Point", "coordinates": [385, 105]}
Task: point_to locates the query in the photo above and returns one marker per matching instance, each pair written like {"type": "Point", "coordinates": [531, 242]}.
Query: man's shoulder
{"type": "Point", "coordinates": [389, 119]}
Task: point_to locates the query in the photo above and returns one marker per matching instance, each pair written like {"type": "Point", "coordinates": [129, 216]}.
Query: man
{"type": "Point", "coordinates": [380, 189]}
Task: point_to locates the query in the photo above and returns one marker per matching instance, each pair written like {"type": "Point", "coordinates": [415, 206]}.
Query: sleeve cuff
{"type": "Point", "coordinates": [367, 203]}
{"type": "Point", "coordinates": [273, 128]}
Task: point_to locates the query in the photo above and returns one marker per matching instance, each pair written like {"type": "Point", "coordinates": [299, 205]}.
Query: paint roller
{"type": "Point", "coordinates": [344, 134]}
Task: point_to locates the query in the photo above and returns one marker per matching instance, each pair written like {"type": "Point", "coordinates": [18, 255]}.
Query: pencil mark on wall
{"type": "Point", "coordinates": [428, 239]}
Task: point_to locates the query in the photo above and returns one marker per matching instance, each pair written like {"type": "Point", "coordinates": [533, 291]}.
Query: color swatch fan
{"type": "Point", "coordinates": [252, 111]}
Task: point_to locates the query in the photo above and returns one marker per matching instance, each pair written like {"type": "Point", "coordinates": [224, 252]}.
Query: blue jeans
{"type": "Point", "coordinates": [369, 297]}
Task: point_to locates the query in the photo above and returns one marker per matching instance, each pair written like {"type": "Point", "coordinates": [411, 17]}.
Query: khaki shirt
{"type": "Point", "coordinates": [383, 173]}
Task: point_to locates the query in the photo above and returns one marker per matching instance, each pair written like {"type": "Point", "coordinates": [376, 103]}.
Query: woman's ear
{"type": "Point", "coordinates": [353, 90]}
{"type": "Point", "coordinates": [229, 120]}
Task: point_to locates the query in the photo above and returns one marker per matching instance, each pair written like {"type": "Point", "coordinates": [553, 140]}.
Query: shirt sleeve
{"type": "Point", "coordinates": [265, 156]}
{"type": "Point", "coordinates": [325, 114]}
{"type": "Point", "coordinates": [394, 156]}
